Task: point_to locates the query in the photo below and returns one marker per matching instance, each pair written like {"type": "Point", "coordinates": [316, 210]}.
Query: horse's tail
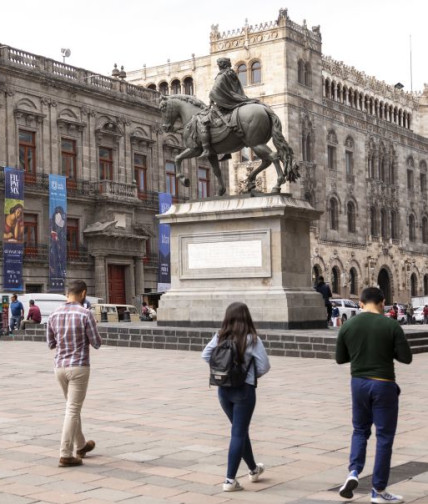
{"type": "Point", "coordinates": [285, 152]}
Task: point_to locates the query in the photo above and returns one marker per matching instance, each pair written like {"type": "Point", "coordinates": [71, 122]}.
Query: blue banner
{"type": "Point", "coordinates": [13, 234]}
{"type": "Point", "coordinates": [58, 232]}
{"type": "Point", "coordinates": [164, 276]}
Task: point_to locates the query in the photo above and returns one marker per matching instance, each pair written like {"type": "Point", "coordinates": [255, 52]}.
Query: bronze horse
{"type": "Point", "coordinates": [258, 125]}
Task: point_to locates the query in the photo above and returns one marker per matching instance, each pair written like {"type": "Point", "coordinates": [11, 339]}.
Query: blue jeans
{"type": "Point", "coordinates": [238, 404]}
{"type": "Point", "coordinates": [14, 320]}
{"type": "Point", "coordinates": [374, 402]}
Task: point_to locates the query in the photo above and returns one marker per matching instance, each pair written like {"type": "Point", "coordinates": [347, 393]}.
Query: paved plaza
{"type": "Point", "coordinates": [162, 438]}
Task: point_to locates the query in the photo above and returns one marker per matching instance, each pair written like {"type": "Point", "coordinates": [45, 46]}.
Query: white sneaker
{"type": "Point", "coordinates": [385, 497]}
{"type": "Point", "coordinates": [347, 489]}
{"type": "Point", "coordinates": [254, 476]}
{"type": "Point", "coordinates": [232, 486]}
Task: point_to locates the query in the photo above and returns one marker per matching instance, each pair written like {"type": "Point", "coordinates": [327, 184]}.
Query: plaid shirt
{"type": "Point", "coordinates": [71, 329]}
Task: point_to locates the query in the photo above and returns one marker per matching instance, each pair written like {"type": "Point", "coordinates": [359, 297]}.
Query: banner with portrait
{"type": "Point", "coordinates": [13, 234]}
{"type": "Point", "coordinates": [164, 276]}
{"type": "Point", "coordinates": [57, 232]}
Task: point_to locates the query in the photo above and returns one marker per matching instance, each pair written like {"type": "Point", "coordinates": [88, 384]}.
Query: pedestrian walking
{"type": "Point", "coordinates": [71, 329]}
{"type": "Point", "coordinates": [425, 312]}
{"type": "Point", "coordinates": [17, 312]}
{"type": "Point", "coordinates": [409, 313]}
{"type": "Point", "coordinates": [371, 342]}
{"type": "Point", "coordinates": [239, 402]}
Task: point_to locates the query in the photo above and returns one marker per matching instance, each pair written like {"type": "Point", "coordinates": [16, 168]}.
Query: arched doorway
{"type": "Point", "coordinates": [414, 285]}
{"type": "Point", "coordinates": [384, 283]}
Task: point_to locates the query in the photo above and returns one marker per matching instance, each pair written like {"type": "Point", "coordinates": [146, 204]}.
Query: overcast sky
{"type": "Point", "coordinates": [372, 35]}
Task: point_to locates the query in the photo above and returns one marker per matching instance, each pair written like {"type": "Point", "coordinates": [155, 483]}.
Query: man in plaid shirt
{"type": "Point", "coordinates": [70, 330]}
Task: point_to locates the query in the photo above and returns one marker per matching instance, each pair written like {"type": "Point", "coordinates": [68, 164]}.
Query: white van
{"type": "Point", "coordinates": [47, 303]}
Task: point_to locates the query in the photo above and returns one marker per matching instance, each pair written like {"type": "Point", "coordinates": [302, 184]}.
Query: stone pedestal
{"type": "Point", "coordinates": [254, 250]}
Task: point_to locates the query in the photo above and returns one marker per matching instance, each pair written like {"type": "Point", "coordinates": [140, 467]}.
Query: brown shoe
{"type": "Point", "coordinates": [89, 446]}
{"type": "Point", "coordinates": [70, 461]}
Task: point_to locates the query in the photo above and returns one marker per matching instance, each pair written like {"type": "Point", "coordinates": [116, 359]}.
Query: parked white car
{"type": "Point", "coordinates": [47, 303]}
{"type": "Point", "coordinates": [347, 308]}
{"type": "Point", "coordinates": [418, 315]}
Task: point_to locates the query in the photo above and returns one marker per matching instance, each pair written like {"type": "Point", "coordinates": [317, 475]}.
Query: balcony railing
{"type": "Point", "coordinates": [78, 76]}
{"type": "Point", "coordinates": [40, 253]}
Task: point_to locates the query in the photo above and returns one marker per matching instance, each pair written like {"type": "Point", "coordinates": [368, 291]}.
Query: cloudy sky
{"type": "Point", "coordinates": [372, 35]}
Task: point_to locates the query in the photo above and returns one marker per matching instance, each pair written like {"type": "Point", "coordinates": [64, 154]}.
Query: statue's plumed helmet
{"type": "Point", "coordinates": [224, 61]}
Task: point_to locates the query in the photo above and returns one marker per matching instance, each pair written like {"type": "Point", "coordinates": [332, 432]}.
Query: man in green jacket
{"type": "Point", "coordinates": [371, 342]}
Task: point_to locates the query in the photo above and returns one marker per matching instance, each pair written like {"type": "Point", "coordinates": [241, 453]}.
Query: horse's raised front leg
{"type": "Point", "coordinates": [213, 159]}
{"type": "Point", "coordinates": [186, 154]}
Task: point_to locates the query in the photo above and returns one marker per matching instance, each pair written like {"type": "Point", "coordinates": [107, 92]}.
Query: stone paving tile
{"type": "Point", "coordinates": [164, 440]}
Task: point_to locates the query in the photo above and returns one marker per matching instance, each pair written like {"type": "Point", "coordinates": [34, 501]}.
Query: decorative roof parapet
{"type": "Point", "coordinates": [74, 75]}
{"type": "Point", "coordinates": [271, 30]}
{"type": "Point", "coordinates": [358, 79]}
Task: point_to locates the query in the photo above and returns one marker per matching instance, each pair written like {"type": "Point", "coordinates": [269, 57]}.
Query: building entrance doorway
{"type": "Point", "coordinates": [384, 283]}
{"type": "Point", "coordinates": [116, 284]}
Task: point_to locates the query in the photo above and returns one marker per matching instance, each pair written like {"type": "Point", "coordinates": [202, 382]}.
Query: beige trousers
{"type": "Point", "coordinates": [74, 383]}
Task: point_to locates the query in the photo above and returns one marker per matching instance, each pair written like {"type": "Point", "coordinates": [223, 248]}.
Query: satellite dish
{"type": "Point", "coordinates": [65, 52]}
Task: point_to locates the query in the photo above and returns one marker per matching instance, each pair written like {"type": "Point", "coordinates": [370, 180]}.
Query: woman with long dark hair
{"type": "Point", "coordinates": [239, 402]}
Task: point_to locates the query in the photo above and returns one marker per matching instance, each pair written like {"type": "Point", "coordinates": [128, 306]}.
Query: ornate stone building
{"type": "Point", "coordinates": [362, 146]}
{"type": "Point", "coordinates": [103, 134]}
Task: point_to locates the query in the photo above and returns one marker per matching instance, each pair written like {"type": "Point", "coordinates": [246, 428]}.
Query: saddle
{"type": "Point", "coordinates": [221, 124]}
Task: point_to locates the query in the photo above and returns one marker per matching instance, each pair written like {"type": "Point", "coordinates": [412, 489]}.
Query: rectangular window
{"type": "Point", "coordinates": [30, 234]}
{"type": "Point", "coordinates": [140, 174]}
{"type": "Point", "coordinates": [171, 179]}
{"type": "Point", "coordinates": [349, 164]}
{"type": "Point", "coordinates": [423, 183]}
{"type": "Point", "coordinates": [410, 185]}
{"type": "Point", "coordinates": [203, 183]}
{"type": "Point", "coordinates": [72, 237]}
{"type": "Point", "coordinates": [106, 163]}
{"type": "Point", "coordinates": [27, 154]}
{"type": "Point", "coordinates": [69, 158]}
{"type": "Point", "coordinates": [331, 157]}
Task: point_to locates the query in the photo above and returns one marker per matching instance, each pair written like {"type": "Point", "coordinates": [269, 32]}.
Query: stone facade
{"type": "Point", "coordinates": [362, 146]}
{"type": "Point", "coordinates": [59, 119]}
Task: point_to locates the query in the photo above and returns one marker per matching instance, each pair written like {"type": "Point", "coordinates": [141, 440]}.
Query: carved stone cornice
{"type": "Point", "coordinates": [70, 126]}
{"type": "Point", "coordinates": [29, 116]}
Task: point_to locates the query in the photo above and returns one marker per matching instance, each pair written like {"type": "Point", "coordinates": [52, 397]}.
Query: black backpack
{"type": "Point", "coordinates": [225, 368]}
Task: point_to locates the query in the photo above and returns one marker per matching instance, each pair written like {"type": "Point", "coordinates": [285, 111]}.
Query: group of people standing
{"type": "Point", "coordinates": [370, 343]}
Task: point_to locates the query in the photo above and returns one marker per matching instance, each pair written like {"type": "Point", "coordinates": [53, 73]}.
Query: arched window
{"type": "Point", "coordinates": [425, 285]}
{"type": "Point", "coordinates": [412, 228]}
{"type": "Point", "coordinates": [331, 150]}
{"type": "Point", "coordinates": [410, 174]}
{"type": "Point", "coordinates": [414, 285]}
{"type": "Point", "coordinates": [373, 222]}
{"type": "Point", "coordinates": [351, 217]}
{"type": "Point", "coordinates": [394, 225]}
{"type": "Point", "coordinates": [163, 88]}
{"type": "Point", "coordinates": [334, 214]}
{"type": "Point", "coordinates": [424, 230]}
{"type": "Point", "coordinates": [335, 280]}
{"type": "Point", "coordinates": [308, 74]}
{"type": "Point", "coordinates": [152, 86]}
{"type": "Point", "coordinates": [316, 273]}
{"type": "Point", "coordinates": [256, 72]}
{"type": "Point", "coordinates": [383, 224]}
{"type": "Point", "coordinates": [423, 177]}
{"type": "Point", "coordinates": [301, 72]}
{"type": "Point", "coordinates": [188, 86]}
{"type": "Point", "coordinates": [353, 282]}
{"type": "Point", "coordinates": [242, 74]}
{"type": "Point", "coordinates": [306, 146]}
{"type": "Point", "coordinates": [175, 87]}
{"type": "Point", "coordinates": [370, 166]}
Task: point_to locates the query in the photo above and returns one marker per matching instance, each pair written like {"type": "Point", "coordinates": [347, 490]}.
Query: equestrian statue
{"type": "Point", "coordinates": [231, 122]}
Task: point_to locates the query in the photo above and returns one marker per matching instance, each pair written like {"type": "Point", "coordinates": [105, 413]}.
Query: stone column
{"type": "Point", "coordinates": [100, 277]}
{"type": "Point", "coordinates": [139, 276]}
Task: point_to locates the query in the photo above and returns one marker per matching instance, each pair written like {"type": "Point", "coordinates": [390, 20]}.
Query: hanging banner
{"type": "Point", "coordinates": [164, 276]}
{"type": "Point", "coordinates": [58, 232]}
{"type": "Point", "coordinates": [13, 235]}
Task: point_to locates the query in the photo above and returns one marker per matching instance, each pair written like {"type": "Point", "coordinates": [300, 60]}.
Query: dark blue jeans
{"type": "Point", "coordinates": [374, 402]}
{"type": "Point", "coordinates": [238, 404]}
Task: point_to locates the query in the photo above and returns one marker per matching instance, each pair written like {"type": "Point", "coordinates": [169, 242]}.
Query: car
{"type": "Point", "coordinates": [347, 308]}
{"type": "Point", "coordinates": [401, 316]}
{"type": "Point", "coordinates": [418, 315]}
